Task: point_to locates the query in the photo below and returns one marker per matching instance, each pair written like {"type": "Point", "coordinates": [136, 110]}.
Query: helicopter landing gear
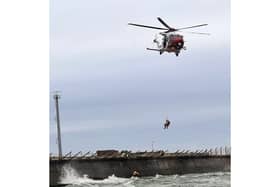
{"type": "Point", "coordinates": [160, 52]}
{"type": "Point", "coordinates": [177, 53]}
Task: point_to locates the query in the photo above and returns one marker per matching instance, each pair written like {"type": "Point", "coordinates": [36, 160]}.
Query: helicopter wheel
{"type": "Point", "coordinates": [177, 54]}
{"type": "Point", "coordinates": [160, 52]}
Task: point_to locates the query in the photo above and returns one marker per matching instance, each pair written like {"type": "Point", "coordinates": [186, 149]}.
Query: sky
{"type": "Point", "coordinates": [116, 95]}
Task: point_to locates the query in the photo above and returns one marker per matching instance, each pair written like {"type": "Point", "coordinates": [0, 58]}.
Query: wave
{"type": "Point", "coordinates": [158, 176]}
{"type": "Point", "coordinates": [71, 176]}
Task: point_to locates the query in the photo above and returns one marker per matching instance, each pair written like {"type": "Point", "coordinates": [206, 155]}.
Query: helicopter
{"type": "Point", "coordinates": [171, 41]}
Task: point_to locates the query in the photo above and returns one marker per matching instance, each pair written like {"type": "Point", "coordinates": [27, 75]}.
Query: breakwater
{"type": "Point", "coordinates": [102, 164]}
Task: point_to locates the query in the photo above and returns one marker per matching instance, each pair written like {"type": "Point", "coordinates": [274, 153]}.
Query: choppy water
{"type": "Point", "coordinates": [220, 179]}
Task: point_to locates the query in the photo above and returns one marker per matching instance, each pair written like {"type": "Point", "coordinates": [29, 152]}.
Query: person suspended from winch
{"type": "Point", "coordinates": [166, 124]}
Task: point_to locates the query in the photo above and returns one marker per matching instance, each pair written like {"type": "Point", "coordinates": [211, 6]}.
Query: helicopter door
{"type": "Point", "coordinates": [164, 41]}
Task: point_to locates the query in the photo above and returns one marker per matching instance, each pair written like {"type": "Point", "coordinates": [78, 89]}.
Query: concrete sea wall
{"type": "Point", "coordinates": [147, 165]}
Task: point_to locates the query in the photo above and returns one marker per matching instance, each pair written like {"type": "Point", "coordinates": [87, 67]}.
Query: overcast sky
{"type": "Point", "coordinates": [116, 94]}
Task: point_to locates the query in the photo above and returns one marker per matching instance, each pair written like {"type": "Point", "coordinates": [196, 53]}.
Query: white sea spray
{"type": "Point", "coordinates": [219, 179]}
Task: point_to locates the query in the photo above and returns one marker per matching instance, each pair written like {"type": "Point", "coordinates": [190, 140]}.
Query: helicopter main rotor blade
{"type": "Point", "coordinates": [203, 33]}
{"type": "Point", "coordinates": [151, 27]}
{"type": "Point", "coordinates": [192, 26]}
{"type": "Point", "coordinates": [162, 22]}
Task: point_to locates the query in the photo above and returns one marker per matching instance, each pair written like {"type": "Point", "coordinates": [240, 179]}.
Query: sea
{"type": "Point", "coordinates": [217, 179]}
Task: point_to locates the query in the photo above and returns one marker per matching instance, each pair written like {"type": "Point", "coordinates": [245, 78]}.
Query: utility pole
{"type": "Point", "coordinates": [56, 97]}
